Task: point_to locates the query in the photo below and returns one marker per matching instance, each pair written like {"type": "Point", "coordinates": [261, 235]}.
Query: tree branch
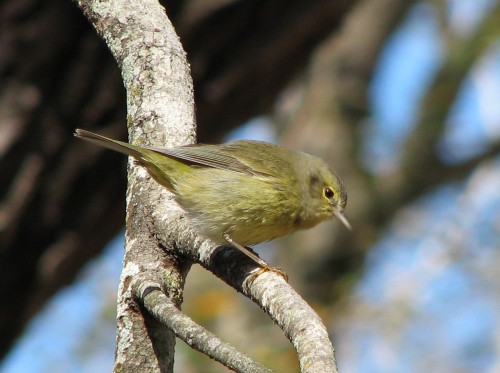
{"type": "Point", "coordinates": [149, 293]}
{"type": "Point", "coordinates": [301, 324]}
{"type": "Point", "coordinates": [160, 108]}
{"type": "Point", "coordinates": [278, 299]}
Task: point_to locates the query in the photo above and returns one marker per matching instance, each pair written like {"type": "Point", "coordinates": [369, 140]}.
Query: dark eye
{"type": "Point", "coordinates": [329, 193]}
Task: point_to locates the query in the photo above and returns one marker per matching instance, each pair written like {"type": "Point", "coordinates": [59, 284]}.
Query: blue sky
{"type": "Point", "coordinates": [64, 337]}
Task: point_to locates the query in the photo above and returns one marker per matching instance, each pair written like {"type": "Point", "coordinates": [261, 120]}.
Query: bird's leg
{"type": "Point", "coordinates": [245, 251]}
{"type": "Point", "coordinates": [261, 262]}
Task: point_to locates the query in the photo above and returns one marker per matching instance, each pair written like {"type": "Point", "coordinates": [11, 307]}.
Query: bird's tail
{"type": "Point", "coordinates": [119, 146]}
{"type": "Point", "coordinates": [159, 165]}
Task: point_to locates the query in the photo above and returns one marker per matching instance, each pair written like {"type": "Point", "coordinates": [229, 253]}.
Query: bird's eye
{"type": "Point", "coordinates": [329, 193]}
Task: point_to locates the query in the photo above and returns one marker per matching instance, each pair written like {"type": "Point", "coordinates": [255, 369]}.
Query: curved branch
{"type": "Point", "coordinates": [278, 299]}
{"type": "Point", "coordinates": [160, 108]}
{"type": "Point", "coordinates": [298, 320]}
{"type": "Point", "coordinates": [155, 301]}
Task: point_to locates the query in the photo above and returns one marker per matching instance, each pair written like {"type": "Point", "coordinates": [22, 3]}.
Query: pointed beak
{"type": "Point", "coordinates": [342, 218]}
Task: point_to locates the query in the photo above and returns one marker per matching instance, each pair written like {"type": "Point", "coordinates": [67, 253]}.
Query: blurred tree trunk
{"type": "Point", "coordinates": [56, 210]}
{"type": "Point", "coordinates": [334, 104]}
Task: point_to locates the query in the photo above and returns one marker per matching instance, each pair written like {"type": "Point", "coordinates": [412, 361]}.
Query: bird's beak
{"type": "Point", "coordinates": [342, 218]}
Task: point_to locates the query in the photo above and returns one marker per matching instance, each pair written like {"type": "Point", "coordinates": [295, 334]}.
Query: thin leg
{"type": "Point", "coordinates": [245, 251]}
{"type": "Point", "coordinates": [265, 267]}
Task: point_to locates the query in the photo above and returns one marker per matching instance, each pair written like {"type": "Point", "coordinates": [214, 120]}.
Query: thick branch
{"type": "Point", "coordinates": [160, 111]}
{"type": "Point", "coordinates": [301, 324]}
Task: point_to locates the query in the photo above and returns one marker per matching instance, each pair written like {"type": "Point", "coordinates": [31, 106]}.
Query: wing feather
{"type": "Point", "coordinates": [209, 156]}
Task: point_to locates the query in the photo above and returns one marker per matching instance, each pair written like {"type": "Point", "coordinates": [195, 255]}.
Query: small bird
{"type": "Point", "coordinates": [244, 192]}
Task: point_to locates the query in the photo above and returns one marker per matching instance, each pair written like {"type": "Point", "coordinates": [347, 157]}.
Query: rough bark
{"type": "Point", "coordinates": [160, 112]}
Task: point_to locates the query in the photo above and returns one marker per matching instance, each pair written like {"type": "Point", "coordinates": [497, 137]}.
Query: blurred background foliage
{"type": "Point", "coordinates": [401, 97]}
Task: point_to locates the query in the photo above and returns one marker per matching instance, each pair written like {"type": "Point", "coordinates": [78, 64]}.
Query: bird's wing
{"type": "Point", "coordinates": [214, 156]}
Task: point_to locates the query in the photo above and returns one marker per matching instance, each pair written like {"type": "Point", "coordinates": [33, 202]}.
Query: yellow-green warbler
{"type": "Point", "coordinates": [244, 192]}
